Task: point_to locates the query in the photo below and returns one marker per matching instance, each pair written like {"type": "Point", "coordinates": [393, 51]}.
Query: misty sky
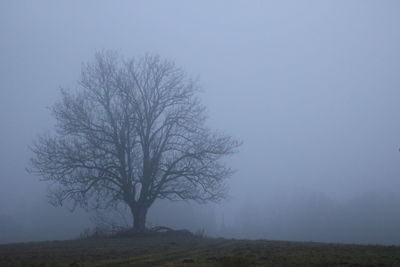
{"type": "Point", "coordinates": [312, 88]}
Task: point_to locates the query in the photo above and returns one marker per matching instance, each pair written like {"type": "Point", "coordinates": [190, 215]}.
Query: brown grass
{"type": "Point", "coordinates": [191, 251]}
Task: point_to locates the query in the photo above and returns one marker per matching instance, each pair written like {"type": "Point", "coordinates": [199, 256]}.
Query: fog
{"type": "Point", "coordinates": [311, 88]}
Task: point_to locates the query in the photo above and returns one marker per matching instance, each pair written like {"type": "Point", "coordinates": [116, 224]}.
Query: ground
{"type": "Point", "coordinates": [194, 251]}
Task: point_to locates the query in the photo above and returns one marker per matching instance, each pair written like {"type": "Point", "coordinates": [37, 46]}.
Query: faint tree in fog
{"type": "Point", "coordinates": [133, 133]}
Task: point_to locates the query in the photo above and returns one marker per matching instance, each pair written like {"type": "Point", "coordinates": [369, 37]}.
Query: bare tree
{"type": "Point", "coordinates": [133, 133]}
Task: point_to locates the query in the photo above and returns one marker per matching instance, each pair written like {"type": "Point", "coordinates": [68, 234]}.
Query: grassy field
{"type": "Point", "coordinates": [192, 251]}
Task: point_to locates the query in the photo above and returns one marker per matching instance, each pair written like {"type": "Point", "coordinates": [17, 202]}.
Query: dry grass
{"type": "Point", "coordinates": [191, 251]}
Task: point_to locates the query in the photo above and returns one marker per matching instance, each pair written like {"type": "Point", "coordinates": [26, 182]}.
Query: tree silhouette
{"type": "Point", "coordinates": [134, 132]}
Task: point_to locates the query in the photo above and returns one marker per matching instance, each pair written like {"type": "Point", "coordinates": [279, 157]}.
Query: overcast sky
{"type": "Point", "coordinates": [312, 88]}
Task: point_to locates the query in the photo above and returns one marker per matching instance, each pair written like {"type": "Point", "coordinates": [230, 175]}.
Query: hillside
{"type": "Point", "coordinates": [192, 251]}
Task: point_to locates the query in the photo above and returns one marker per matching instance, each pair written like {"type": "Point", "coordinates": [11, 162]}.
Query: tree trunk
{"type": "Point", "coordinates": [139, 214]}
